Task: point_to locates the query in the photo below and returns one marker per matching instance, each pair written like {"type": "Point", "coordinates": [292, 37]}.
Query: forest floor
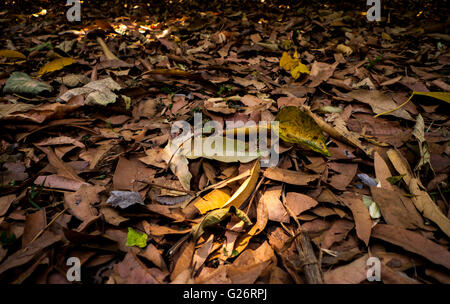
{"type": "Point", "coordinates": [87, 109]}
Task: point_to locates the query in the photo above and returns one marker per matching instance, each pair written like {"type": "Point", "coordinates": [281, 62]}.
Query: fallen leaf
{"type": "Point", "coordinates": [55, 65]}
{"type": "Point", "coordinates": [98, 92]}
{"type": "Point", "coordinates": [213, 200]}
{"type": "Point", "coordinates": [21, 83]}
{"type": "Point", "coordinates": [297, 127]}
{"type": "Point", "coordinates": [342, 48]}
{"type": "Point", "coordinates": [5, 203]}
{"type": "Point", "coordinates": [11, 54]}
{"type": "Point", "coordinates": [378, 101]}
{"type": "Point", "coordinates": [246, 189]}
{"type": "Point", "coordinates": [135, 238]}
{"type": "Point", "coordinates": [353, 273]}
{"type": "Point", "coordinates": [289, 176]}
{"type": "Point", "coordinates": [360, 214]}
{"type": "Point", "coordinates": [215, 217]}
{"type": "Point", "coordinates": [299, 203]}
{"type": "Point", "coordinates": [124, 199]}
{"type": "Point", "coordinates": [396, 209]}
{"type": "Point", "coordinates": [414, 242]}
{"type": "Point", "coordinates": [173, 156]}
{"type": "Point", "coordinates": [337, 232]}
{"type": "Point", "coordinates": [421, 199]}
{"type": "Point", "coordinates": [444, 96]}
{"type": "Point", "coordinates": [294, 66]}
{"type": "Point", "coordinates": [184, 260]}
{"type": "Point", "coordinates": [80, 203]}
{"type": "Point", "coordinates": [132, 271]}
{"type": "Point", "coordinates": [320, 72]}
{"type": "Point", "coordinates": [275, 209]}
{"type": "Point", "coordinates": [382, 171]}
{"type": "Point", "coordinates": [374, 210]}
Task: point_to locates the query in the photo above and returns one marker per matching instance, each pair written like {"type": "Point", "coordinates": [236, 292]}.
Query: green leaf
{"type": "Point", "coordinates": [374, 210]}
{"type": "Point", "coordinates": [40, 47]}
{"type": "Point", "coordinates": [135, 238]}
{"type": "Point", "coordinates": [395, 179]}
{"type": "Point", "coordinates": [298, 128]}
{"type": "Point", "coordinates": [21, 83]}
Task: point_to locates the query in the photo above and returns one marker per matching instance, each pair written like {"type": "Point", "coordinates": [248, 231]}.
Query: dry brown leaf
{"type": "Point", "coordinates": [128, 172]}
{"type": "Point", "coordinates": [80, 203]}
{"type": "Point", "coordinates": [289, 176]}
{"type": "Point", "coordinates": [353, 273]}
{"type": "Point", "coordinates": [299, 203]}
{"type": "Point", "coordinates": [346, 174]}
{"type": "Point", "coordinates": [421, 199]}
{"type": "Point", "coordinates": [61, 167]}
{"type": "Point", "coordinates": [184, 260]}
{"type": "Point", "coordinates": [337, 232]}
{"type": "Point", "coordinates": [5, 202]}
{"type": "Point", "coordinates": [320, 72]}
{"type": "Point", "coordinates": [396, 210]}
{"type": "Point", "coordinates": [271, 199]}
{"type": "Point", "coordinates": [132, 271]}
{"type": "Point", "coordinates": [379, 102]}
{"type": "Point", "coordinates": [22, 257]}
{"type": "Point", "coordinates": [413, 242]}
{"type": "Point", "coordinates": [382, 171]}
{"type": "Point", "coordinates": [34, 223]}
{"type": "Point", "coordinates": [360, 214]}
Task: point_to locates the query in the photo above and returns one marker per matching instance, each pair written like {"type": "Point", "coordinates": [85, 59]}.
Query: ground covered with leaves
{"type": "Point", "coordinates": [89, 167]}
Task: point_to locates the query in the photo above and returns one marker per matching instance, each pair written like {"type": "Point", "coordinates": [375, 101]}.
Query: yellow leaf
{"type": "Point", "coordinates": [11, 54]}
{"type": "Point", "coordinates": [299, 69]}
{"type": "Point", "coordinates": [438, 95]}
{"type": "Point", "coordinates": [342, 48]}
{"type": "Point", "coordinates": [386, 36]}
{"type": "Point", "coordinates": [297, 127]}
{"type": "Point", "coordinates": [56, 65]}
{"type": "Point", "coordinates": [293, 65]}
{"type": "Point", "coordinates": [213, 200]}
{"type": "Point", "coordinates": [246, 189]}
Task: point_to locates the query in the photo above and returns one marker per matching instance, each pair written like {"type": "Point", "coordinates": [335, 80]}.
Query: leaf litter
{"type": "Point", "coordinates": [88, 161]}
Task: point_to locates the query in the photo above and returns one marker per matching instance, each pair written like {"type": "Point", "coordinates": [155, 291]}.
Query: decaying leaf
{"type": "Point", "coordinates": [173, 156]}
{"type": "Point", "coordinates": [97, 92]}
{"type": "Point", "coordinates": [297, 127]}
{"type": "Point", "coordinates": [21, 83]}
{"type": "Point", "coordinates": [124, 199]}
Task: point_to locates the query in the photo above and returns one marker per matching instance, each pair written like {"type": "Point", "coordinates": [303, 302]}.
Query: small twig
{"type": "Point", "coordinates": [254, 194]}
{"type": "Point", "coordinates": [166, 187]}
{"type": "Point", "coordinates": [396, 108]}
